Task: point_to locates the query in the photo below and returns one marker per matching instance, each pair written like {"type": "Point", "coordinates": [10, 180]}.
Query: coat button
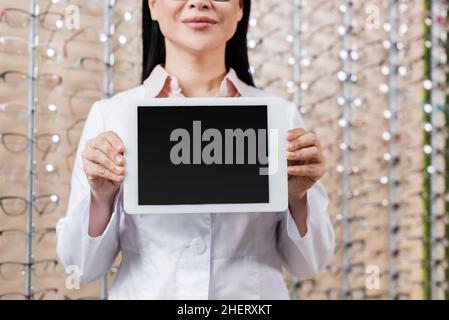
{"type": "Point", "coordinates": [199, 246]}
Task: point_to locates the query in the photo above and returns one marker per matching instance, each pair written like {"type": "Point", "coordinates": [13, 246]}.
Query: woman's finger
{"type": "Point", "coordinates": [98, 157]}
{"type": "Point", "coordinates": [293, 134]}
{"type": "Point", "coordinates": [114, 140]}
{"type": "Point", "coordinates": [104, 145]}
{"type": "Point", "coordinates": [306, 140]}
{"type": "Point", "coordinates": [94, 171]}
{"type": "Point", "coordinates": [306, 170]}
{"type": "Point", "coordinates": [312, 154]}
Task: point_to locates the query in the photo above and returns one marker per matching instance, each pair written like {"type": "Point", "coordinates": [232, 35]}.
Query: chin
{"type": "Point", "coordinates": [198, 47]}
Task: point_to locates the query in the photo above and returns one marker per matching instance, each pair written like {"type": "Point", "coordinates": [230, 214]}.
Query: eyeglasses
{"type": "Point", "coordinates": [330, 294]}
{"type": "Point", "coordinates": [16, 237]}
{"type": "Point", "coordinates": [91, 7]}
{"type": "Point", "coordinates": [17, 78]}
{"type": "Point", "coordinates": [66, 297]}
{"type": "Point", "coordinates": [81, 100]}
{"type": "Point", "coordinates": [90, 35]}
{"type": "Point", "coordinates": [94, 7]}
{"type": "Point", "coordinates": [95, 64]}
{"type": "Point", "coordinates": [327, 28]}
{"type": "Point", "coordinates": [328, 52]}
{"type": "Point", "coordinates": [18, 142]}
{"type": "Point", "coordinates": [14, 206]}
{"type": "Point", "coordinates": [18, 46]}
{"type": "Point", "coordinates": [355, 77]}
{"type": "Point", "coordinates": [338, 147]}
{"type": "Point", "coordinates": [309, 85]}
{"type": "Point", "coordinates": [437, 218]}
{"type": "Point", "coordinates": [19, 18]}
{"type": "Point", "coordinates": [12, 270]}
{"type": "Point", "coordinates": [402, 47]}
{"type": "Point", "coordinates": [20, 111]}
{"type": "Point", "coordinates": [254, 42]}
{"type": "Point", "coordinates": [356, 268]}
{"type": "Point", "coordinates": [43, 294]}
{"type": "Point", "coordinates": [47, 173]}
{"type": "Point", "coordinates": [310, 108]}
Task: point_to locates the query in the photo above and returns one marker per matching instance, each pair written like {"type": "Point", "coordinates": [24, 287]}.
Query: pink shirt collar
{"type": "Point", "coordinates": [161, 84]}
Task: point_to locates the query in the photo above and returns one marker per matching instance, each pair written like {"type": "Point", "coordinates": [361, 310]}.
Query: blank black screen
{"type": "Point", "coordinates": [163, 183]}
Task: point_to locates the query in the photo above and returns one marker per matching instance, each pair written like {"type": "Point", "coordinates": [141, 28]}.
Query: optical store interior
{"type": "Point", "coordinates": [370, 79]}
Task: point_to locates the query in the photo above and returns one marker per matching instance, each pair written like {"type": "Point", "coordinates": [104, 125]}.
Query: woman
{"type": "Point", "coordinates": [192, 256]}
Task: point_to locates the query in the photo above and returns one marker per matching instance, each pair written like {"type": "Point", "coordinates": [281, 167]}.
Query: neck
{"type": "Point", "coordinates": [197, 75]}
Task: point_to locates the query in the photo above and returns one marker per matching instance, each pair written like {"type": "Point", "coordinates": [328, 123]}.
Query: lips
{"type": "Point", "coordinates": [199, 22]}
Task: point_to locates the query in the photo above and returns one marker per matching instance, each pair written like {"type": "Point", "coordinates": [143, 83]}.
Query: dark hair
{"type": "Point", "coordinates": [236, 55]}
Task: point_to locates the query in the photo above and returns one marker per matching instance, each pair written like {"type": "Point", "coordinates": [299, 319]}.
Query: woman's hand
{"type": "Point", "coordinates": [306, 162]}
{"type": "Point", "coordinates": [306, 165]}
{"type": "Point", "coordinates": [103, 164]}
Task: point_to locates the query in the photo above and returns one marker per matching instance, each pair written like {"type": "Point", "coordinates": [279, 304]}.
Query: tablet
{"type": "Point", "coordinates": [204, 155]}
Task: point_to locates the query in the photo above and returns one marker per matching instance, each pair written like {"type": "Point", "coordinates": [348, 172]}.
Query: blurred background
{"type": "Point", "coordinates": [369, 77]}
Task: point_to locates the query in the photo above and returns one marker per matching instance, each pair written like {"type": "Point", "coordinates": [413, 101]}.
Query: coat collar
{"type": "Point", "coordinates": [161, 83]}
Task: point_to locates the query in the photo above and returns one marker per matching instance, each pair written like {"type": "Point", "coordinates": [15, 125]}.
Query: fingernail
{"type": "Point", "coordinates": [119, 159]}
{"type": "Point", "coordinates": [118, 168]}
{"type": "Point", "coordinates": [291, 154]}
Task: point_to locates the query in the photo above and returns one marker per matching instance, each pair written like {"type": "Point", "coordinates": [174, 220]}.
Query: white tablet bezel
{"type": "Point", "coordinates": [278, 118]}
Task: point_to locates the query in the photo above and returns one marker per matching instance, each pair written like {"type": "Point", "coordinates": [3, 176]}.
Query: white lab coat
{"type": "Point", "coordinates": [190, 256]}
